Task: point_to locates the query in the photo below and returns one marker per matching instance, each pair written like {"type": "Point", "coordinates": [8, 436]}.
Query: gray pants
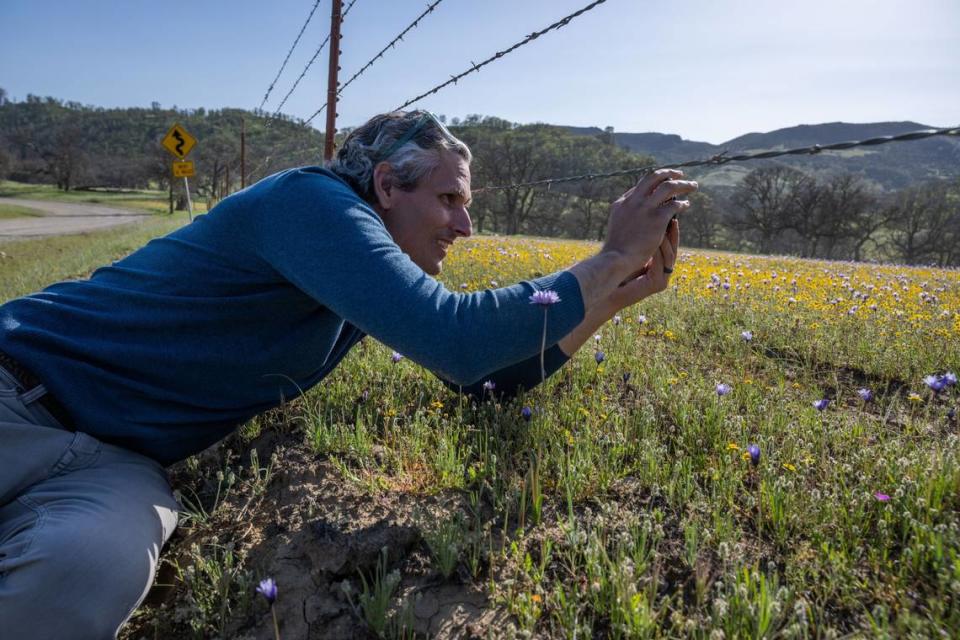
{"type": "Point", "coordinates": [81, 525]}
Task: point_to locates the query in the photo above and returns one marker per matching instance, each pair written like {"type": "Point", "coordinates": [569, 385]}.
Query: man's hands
{"type": "Point", "coordinates": [653, 277]}
{"type": "Point", "coordinates": [634, 235]}
{"type": "Point", "coordinates": [622, 274]}
{"type": "Point", "coordinates": [638, 217]}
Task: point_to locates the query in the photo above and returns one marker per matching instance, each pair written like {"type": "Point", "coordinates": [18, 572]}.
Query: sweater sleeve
{"type": "Point", "coordinates": [320, 236]}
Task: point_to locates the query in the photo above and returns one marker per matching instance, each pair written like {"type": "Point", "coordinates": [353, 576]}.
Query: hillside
{"type": "Point", "coordinates": [76, 146]}
{"type": "Point", "coordinates": [887, 167]}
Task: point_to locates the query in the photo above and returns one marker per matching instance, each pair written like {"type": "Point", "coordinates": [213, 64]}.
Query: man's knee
{"type": "Point", "coordinates": [85, 569]}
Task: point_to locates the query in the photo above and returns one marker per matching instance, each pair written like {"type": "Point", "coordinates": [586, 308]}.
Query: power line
{"type": "Point", "coordinates": [289, 53]}
{"type": "Point", "coordinates": [376, 57]}
{"type": "Point", "coordinates": [315, 54]}
{"type": "Point", "coordinates": [476, 67]}
{"type": "Point", "coordinates": [723, 158]}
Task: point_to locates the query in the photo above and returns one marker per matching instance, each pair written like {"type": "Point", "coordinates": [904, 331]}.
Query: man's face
{"type": "Point", "coordinates": [426, 221]}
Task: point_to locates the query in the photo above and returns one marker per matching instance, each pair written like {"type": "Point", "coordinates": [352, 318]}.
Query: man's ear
{"type": "Point", "coordinates": [383, 185]}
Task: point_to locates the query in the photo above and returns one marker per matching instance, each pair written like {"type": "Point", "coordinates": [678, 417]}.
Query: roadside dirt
{"type": "Point", "coordinates": [61, 218]}
{"type": "Point", "coordinates": [315, 534]}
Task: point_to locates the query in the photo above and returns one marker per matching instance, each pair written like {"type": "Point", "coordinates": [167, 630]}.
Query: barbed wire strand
{"type": "Point", "coordinates": [283, 66]}
{"type": "Point", "coordinates": [476, 67]}
{"type": "Point", "coordinates": [723, 158]}
{"type": "Point", "coordinates": [376, 57]}
{"type": "Point", "coordinates": [312, 60]}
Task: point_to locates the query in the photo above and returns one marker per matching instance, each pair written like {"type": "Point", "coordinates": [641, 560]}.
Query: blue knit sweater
{"type": "Point", "coordinates": [169, 349]}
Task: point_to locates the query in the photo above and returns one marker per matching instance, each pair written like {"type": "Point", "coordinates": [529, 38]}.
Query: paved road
{"type": "Point", "coordinates": [60, 218]}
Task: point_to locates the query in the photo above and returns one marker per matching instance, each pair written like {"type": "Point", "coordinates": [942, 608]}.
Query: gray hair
{"type": "Point", "coordinates": [410, 141]}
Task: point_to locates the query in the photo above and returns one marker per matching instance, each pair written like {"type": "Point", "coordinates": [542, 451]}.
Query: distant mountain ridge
{"type": "Point", "coordinates": [887, 167]}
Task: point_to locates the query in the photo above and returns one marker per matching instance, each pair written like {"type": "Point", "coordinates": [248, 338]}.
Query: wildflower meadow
{"type": "Point", "coordinates": [767, 449]}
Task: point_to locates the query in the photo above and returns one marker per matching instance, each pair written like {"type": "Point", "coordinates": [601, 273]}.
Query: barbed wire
{"type": "Point", "coordinates": [376, 57]}
{"type": "Point", "coordinates": [476, 67]}
{"type": "Point", "coordinates": [723, 158]}
{"type": "Point", "coordinates": [306, 68]}
{"type": "Point", "coordinates": [266, 96]}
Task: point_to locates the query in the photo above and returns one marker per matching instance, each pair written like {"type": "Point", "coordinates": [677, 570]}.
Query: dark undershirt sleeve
{"type": "Point", "coordinates": [512, 379]}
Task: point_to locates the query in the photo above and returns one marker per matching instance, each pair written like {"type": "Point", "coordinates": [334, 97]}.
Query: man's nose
{"type": "Point", "coordinates": [462, 224]}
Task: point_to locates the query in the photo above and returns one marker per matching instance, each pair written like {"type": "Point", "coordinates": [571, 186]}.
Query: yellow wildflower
{"type": "Point", "coordinates": [733, 446]}
{"type": "Point", "coordinates": [789, 467]}
{"type": "Point", "coordinates": [913, 397]}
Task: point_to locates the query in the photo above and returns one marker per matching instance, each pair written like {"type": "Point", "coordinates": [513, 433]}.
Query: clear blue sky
{"type": "Point", "coordinates": [707, 70]}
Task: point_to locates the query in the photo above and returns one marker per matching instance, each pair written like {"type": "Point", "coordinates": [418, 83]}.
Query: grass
{"type": "Point", "coordinates": [8, 211]}
{"type": "Point", "coordinates": [147, 200]}
{"type": "Point", "coordinates": [626, 507]}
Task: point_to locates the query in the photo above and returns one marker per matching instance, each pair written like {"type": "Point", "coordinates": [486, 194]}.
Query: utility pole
{"type": "Point", "coordinates": [243, 153]}
{"type": "Point", "coordinates": [332, 82]}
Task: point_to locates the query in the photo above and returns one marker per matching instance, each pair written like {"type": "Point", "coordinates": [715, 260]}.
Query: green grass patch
{"type": "Point", "coordinates": [9, 211]}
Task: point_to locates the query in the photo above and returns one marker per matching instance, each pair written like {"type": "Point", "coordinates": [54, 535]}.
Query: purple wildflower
{"type": "Point", "coordinates": [268, 589]}
{"type": "Point", "coordinates": [617, 319]}
{"type": "Point", "coordinates": [820, 405]}
{"type": "Point", "coordinates": [626, 377]}
{"type": "Point", "coordinates": [865, 394]}
{"type": "Point", "coordinates": [545, 298]}
{"type": "Point", "coordinates": [599, 357]}
{"type": "Point", "coordinates": [723, 389]}
{"type": "Point", "coordinates": [950, 378]}
{"type": "Point", "coordinates": [935, 382]}
{"type": "Point", "coordinates": [396, 357]}
{"type": "Point", "coordinates": [489, 385]}
{"type": "Point", "coordinates": [882, 497]}
{"type": "Point", "coordinates": [641, 318]}
{"type": "Point", "coordinates": [526, 413]}
{"type": "Point", "coordinates": [754, 451]}
{"type": "Point", "coordinates": [747, 336]}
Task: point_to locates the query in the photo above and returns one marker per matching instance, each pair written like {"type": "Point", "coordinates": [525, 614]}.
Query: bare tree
{"type": "Point", "coordinates": [763, 203]}
{"type": "Point", "coordinates": [921, 223]}
{"type": "Point", "coordinates": [700, 227]}
{"type": "Point", "coordinates": [851, 215]}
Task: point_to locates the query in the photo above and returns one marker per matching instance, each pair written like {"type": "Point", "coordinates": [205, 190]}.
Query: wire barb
{"type": "Point", "coordinates": [476, 67]}
{"type": "Point", "coordinates": [310, 63]}
{"type": "Point", "coordinates": [722, 158]}
{"type": "Point", "coordinates": [283, 66]}
{"type": "Point", "coordinates": [393, 42]}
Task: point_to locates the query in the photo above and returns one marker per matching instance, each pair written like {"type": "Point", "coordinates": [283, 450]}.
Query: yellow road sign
{"type": "Point", "coordinates": [183, 169]}
{"type": "Point", "coordinates": [178, 141]}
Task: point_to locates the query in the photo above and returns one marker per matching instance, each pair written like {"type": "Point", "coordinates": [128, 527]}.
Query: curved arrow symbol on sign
{"type": "Point", "coordinates": [180, 141]}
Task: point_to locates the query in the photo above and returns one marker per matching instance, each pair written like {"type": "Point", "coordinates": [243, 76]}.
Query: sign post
{"type": "Point", "coordinates": [179, 143]}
